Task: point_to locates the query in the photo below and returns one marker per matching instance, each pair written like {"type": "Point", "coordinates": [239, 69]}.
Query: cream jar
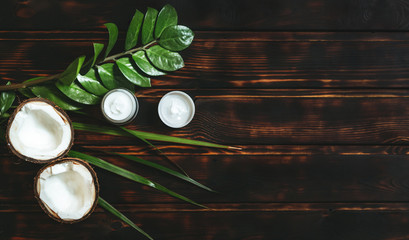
{"type": "Point", "coordinates": [176, 109]}
{"type": "Point", "coordinates": [119, 106]}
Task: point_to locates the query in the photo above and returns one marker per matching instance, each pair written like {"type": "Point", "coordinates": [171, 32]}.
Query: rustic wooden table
{"type": "Point", "coordinates": [316, 92]}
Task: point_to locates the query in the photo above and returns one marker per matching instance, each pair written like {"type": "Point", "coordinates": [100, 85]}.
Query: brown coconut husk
{"type": "Point", "coordinates": [63, 115]}
{"type": "Point", "coordinates": [47, 209]}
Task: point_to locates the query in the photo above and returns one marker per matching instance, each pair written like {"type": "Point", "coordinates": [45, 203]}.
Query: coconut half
{"type": "Point", "coordinates": [39, 131]}
{"type": "Point", "coordinates": [67, 190]}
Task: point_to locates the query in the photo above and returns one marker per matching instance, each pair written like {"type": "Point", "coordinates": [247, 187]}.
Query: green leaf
{"type": "Point", "coordinates": [90, 82]}
{"type": "Point", "coordinates": [112, 77]}
{"type": "Point", "coordinates": [32, 79]}
{"type": "Point", "coordinates": [143, 63]}
{"type": "Point", "coordinates": [149, 25]}
{"type": "Point", "coordinates": [157, 149]}
{"type": "Point", "coordinates": [6, 100]}
{"type": "Point", "coordinates": [98, 47]}
{"type": "Point", "coordinates": [176, 38]}
{"type": "Point", "coordinates": [167, 17]}
{"type": "Point", "coordinates": [4, 116]}
{"type": "Point", "coordinates": [131, 74]}
{"type": "Point", "coordinates": [130, 175]}
{"type": "Point", "coordinates": [119, 215]}
{"type": "Point", "coordinates": [133, 30]}
{"type": "Point", "coordinates": [70, 74]}
{"type": "Point", "coordinates": [164, 169]}
{"type": "Point", "coordinates": [165, 59]}
{"type": "Point", "coordinates": [106, 129]}
{"type": "Point", "coordinates": [76, 93]}
{"type": "Point", "coordinates": [113, 36]}
{"type": "Point", "coordinates": [53, 94]}
{"type": "Point", "coordinates": [26, 91]}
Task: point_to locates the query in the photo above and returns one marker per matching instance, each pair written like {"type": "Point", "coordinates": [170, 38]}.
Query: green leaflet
{"type": "Point", "coordinates": [119, 215]}
{"type": "Point", "coordinates": [112, 77]}
{"type": "Point", "coordinates": [143, 63]}
{"type": "Point", "coordinates": [106, 74]}
{"type": "Point", "coordinates": [131, 74]}
{"type": "Point", "coordinates": [6, 100]}
{"type": "Point", "coordinates": [117, 131]}
{"type": "Point", "coordinates": [4, 116]}
{"type": "Point", "coordinates": [167, 17]}
{"type": "Point", "coordinates": [165, 59]}
{"type": "Point", "coordinates": [149, 25]}
{"type": "Point", "coordinates": [113, 37]}
{"type": "Point", "coordinates": [77, 94]}
{"type": "Point", "coordinates": [133, 30]}
{"type": "Point", "coordinates": [26, 91]}
{"type": "Point", "coordinates": [98, 47]}
{"type": "Point", "coordinates": [130, 175]}
{"type": "Point", "coordinates": [69, 75]}
{"type": "Point", "coordinates": [164, 169]}
{"type": "Point", "coordinates": [32, 79]}
{"type": "Point", "coordinates": [90, 82]}
{"type": "Point", "coordinates": [176, 38]}
{"type": "Point", "coordinates": [53, 94]}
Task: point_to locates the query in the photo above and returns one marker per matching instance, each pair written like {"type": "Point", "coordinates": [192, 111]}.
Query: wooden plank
{"type": "Point", "coordinates": [272, 60]}
{"type": "Point", "coordinates": [289, 175]}
{"type": "Point", "coordinates": [214, 225]}
{"type": "Point", "coordinates": [324, 117]}
{"type": "Point", "coordinates": [242, 15]}
{"type": "Point", "coordinates": [266, 117]}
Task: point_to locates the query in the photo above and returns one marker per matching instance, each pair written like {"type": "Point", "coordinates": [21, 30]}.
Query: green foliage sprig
{"type": "Point", "coordinates": [84, 82]}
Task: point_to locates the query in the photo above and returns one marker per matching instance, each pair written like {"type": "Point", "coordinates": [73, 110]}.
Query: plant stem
{"type": "Point", "coordinates": [45, 79]}
{"type": "Point", "coordinates": [113, 57]}
{"type": "Point", "coordinates": [28, 84]}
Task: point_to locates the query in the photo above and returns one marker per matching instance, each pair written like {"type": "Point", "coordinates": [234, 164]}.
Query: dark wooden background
{"type": "Point", "coordinates": [316, 92]}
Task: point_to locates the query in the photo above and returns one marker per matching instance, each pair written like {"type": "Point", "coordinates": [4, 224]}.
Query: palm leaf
{"type": "Point", "coordinates": [130, 175]}
{"type": "Point", "coordinates": [163, 169]}
{"type": "Point", "coordinates": [118, 214]}
{"type": "Point", "coordinates": [160, 152]}
{"type": "Point", "coordinates": [146, 135]}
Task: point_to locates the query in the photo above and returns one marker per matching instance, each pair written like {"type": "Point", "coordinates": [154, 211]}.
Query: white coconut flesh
{"type": "Point", "coordinates": [67, 189]}
{"type": "Point", "coordinates": [39, 131]}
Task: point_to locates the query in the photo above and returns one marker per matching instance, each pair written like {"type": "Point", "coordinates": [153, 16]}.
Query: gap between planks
{"type": "Point", "coordinates": [219, 36]}
{"type": "Point", "coordinates": [235, 207]}
{"type": "Point", "coordinates": [281, 93]}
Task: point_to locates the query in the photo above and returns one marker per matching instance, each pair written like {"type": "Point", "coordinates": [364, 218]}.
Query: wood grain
{"type": "Point", "coordinates": [222, 15]}
{"type": "Point", "coordinates": [287, 174]}
{"type": "Point", "coordinates": [278, 117]}
{"type": "Point", "coordinates": [315, 92]}
{"type": "Point", "coordinates": [243, 60]}
{"type": "Point", "coordinates": [216, 225]}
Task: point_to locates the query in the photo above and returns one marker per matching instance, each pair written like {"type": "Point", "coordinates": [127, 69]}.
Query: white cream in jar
{"type": "Point", "coordinates": [119, 106]}
{"type": "Point", "coordinates": [176, 109]}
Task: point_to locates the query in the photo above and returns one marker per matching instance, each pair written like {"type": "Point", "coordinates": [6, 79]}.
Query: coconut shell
{"type": "Point", "coordinates": [47, 209]}
{"type": "Point", "coordinates": [63, 115]}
